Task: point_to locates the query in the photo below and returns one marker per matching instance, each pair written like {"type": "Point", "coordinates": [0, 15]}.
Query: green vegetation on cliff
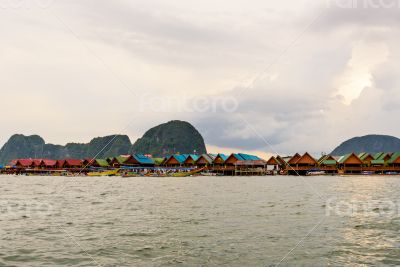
{"type": "Point", "coordinates": [171, 137]}
{"type": "Point", "coordinates": [20, 146]}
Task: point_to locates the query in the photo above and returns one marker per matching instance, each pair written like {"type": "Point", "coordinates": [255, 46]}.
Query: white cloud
{"type": "Point", "coordinates": [78, 69]}
{"type": "Point", "coordinates": [358, 75]}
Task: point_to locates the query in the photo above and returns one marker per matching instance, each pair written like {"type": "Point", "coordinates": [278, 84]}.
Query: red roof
{"type": "Point", "coordinates": [24, 162]}
{"type": "Point", "coordinates": [37, 162]}
{"type": "Point", "coordinates": [49, 162]}
{"type": "Point", "coordinates": [73, 162]}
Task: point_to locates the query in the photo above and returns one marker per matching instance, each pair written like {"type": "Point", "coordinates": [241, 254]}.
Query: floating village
{"type": "Point", "coordinates": [237, 164]}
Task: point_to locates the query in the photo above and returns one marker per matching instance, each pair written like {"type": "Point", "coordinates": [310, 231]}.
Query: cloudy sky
{"type": "Point", "coordinates": [258, 76]}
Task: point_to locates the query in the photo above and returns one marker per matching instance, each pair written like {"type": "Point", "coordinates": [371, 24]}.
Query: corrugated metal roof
{"type": "Point", "coordinates": [73, 162]}
{"type": "Point", "coordinates": [342, 159]}
{"type": "Point", "coordinates": [142, 159]}
{"type": "Point", "coordinates": [329, 162]}
{"type": "Point", "coordinates": [394, 157]}
{"type": "Point", "coordinates": [102, 162]}
{"type": "Point", "coordinates": [382, 156]}
{"type": "Point", "coordinates": [223, 156]}
{"type": "Point", "coordinates": [180, 157]}
{"type": "Point", "coordinates": [378, 161]}
{"type": "Point", "coordinates": [249, 157]}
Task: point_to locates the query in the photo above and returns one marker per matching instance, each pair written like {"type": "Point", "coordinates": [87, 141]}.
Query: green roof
{"type": "Point", "coordinates": [394, 157]}
{"type": "Point", "coordinates": [102, 162]}
{"type": "Point", "coordinates": [342, 159]}
{"type": "Point", "coordinates": [378, 161]}
{"type": "Point", "coordinates": [382, 157]}
{"type": "Point", "coordinates": [321, 159]}
{"type": "Point", "coordinates": [329, 162]}
{"type": "Point", "coordinates": [379, 155]}
{"type": "Point", "coordinates": [121, 159]}
{"type": "Point", "coordinates": [363, 156]}
{"type": "Point", "coordinates": [158, 161]}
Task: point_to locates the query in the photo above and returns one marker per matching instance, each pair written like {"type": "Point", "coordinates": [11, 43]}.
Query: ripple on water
{"type": "Point", "coordinates": [224, 221]}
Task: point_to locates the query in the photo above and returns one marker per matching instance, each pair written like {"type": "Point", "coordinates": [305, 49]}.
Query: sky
{"type": "Point", "coordinates": [263, 77]}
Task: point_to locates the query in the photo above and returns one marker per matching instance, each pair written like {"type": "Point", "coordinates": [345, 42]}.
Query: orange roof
{"type": "Point", "coordinates": [306, 159]}
{"type": "Point", "coordinates": [294, 159]}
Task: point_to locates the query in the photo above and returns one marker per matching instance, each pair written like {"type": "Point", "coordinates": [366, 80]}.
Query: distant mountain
{"type": "Point", "coordinates": [20, 146]}
{"type": "Point", "coordinates": [169, 138]}
{"type": "Point", "coordinates": [369, 144]}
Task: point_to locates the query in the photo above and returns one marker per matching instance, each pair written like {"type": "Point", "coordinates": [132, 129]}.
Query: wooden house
{"type": "Point", "coordinates": [22, 163]}
{"type": "Point", "coordinates": [191, 160]}
{"type": "Point", "coordinates": [328, 163]}
{"type": "Point", "coordinates": [292, 160]}
{"type": "Point", "coordinates": [48, 164]}
{"type": "Point", "coordinates": [302, 164]}
{"type": "Point", "coordinates": [72, 164]}
{"type": "Point", "coordinates": [99, 163]}
{"type": "Point", "coordinates": [366, 158]}
{"type": "Point", "coordinates": [220, 159]}
{"type": "Point", "coordinates": [176, 160]}
{"type": "Point", "coordinates": [350, 163]}
{"type": "Point", "coordinates": [205, 160]}
{"type": "Point", "coordinates": [393, 163]}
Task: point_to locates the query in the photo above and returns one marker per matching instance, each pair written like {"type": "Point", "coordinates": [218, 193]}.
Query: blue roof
{"type": "Point", "coordinates": [248, 157]}
{"type": "Point", "coordinates": [193, 156]}
{"type": "Point", "coordinates": [223, 156]}
{"type": "Point", "coordinates": [241, 156]}
{"type": "Point", "coordinates": [181, 158]}
{"type": "Point", "coordinates": [143, 159]}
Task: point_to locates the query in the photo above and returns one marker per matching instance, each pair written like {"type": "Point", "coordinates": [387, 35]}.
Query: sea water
{"type": "Point", "coordinates": [199, 221]}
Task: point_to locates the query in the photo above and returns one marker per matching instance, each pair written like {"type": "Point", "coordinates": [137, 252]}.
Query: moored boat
{"type": "Point", "coordinates": [104, 173]}
{"type": "Point", "coordinates": [315, 172]}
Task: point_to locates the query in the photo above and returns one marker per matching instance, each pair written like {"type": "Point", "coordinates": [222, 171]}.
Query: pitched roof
{"type": "Point", "coordinates": [272, 161]}
{"type": "Point", "coordinates": [344, 158]}
{"type": "Point", "coordinates": [305, 157]}
{"type": "Point", "coordinates": [394, 157]}
{"type": "Point", "coordinates": [194, 157]}
{"type": "Point", "coordinates": [181, 158]}
{"type": "Point", "coordinates": [222, 156]}
{"type": "Point", "coordinates": [379, 155]}
{"type": "Point", "coordinates": [73, 162]}
{"type": "Point", "coordinates": [37, 162]}
{"type": "Point", "coordinates": [208, 157]}
{"type": "Point", "coordinates": [102, 162]}
{"type": "Point", "coordinates": [49, 162]}
{"type": "Point", "coordinates": [326, 158]}
{"type": "Point", "coordinates": [382, 156]}
{"type": "Point", "coordinates": [24, 162]}
{"type": "Point", "coordinates": [294, 159]}
{"type": "Point", "coordinates": [121, 159]}
{"type": "Point", "coordinates": [142, 159]}
{"type": "Point", "coordinates": [159, 161]}
{"type": "Point", "coordinates": [378, 161]}
{"type": "Point", "coordinates": [329, 162]}
{"type": "Point", "coordinates": [249, 157]}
